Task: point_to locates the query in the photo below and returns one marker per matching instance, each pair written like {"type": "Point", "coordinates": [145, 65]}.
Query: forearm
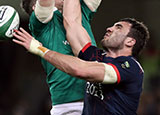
{"type": "Point", "coordinates": [71, 11]}
{"type": "Point", "coordinates": [89, 71]}
{"type": "Point", "coordinates": [65, 63]}
{"type": "Point", "coordinates": [44, 10]}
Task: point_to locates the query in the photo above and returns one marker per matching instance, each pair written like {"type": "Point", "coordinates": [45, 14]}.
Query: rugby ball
{"type": "Point", "coordinates": [9, 20]}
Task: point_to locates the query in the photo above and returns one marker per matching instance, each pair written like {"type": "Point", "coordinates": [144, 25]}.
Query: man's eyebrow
{"type": "Point", "coordinates": [119, 25]}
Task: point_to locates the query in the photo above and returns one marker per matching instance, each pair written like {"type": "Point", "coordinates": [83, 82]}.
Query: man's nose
{"type": "Point", "coordinates": [109, 29]}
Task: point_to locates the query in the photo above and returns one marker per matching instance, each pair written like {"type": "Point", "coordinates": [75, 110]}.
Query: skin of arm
{"type": "Point", "coordinates": [75, 33]}
{"type": "Point", "coordinates": [76, 67]}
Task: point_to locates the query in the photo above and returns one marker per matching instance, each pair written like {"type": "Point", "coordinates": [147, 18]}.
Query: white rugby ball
{"type": "Point", "coordinates": [9, 20]}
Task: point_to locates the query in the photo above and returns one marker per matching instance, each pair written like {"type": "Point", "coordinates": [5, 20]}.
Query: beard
{"type": "Point", "coordinates": [104, 46]}
{"type": "Point", "coordinates": [112, 44]}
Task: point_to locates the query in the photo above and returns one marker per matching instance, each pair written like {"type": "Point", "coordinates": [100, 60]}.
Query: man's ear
{"type": "Point", "coordinates": [130, 42]}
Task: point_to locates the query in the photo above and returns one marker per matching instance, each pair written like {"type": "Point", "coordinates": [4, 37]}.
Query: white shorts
{"type": "Point", "coordinates": [74, 108]}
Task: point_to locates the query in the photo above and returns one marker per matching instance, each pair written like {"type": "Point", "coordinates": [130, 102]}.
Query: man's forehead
{"type": "Point", "coordinates": [123, 24]}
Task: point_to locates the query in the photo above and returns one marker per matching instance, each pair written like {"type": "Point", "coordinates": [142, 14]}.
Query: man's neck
{"type": "Point", "coordinates": [118, 53]}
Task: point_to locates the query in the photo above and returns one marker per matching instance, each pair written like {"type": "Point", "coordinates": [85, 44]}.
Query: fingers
{"type": "Point", "coordinates": [23, 34]}
{"type": "Point", "coordinates": [18, 42]}
{"type": "Point", "coordinates": [26, 33]}
{"type": "Point", "coordinates": [23, 38]}
{"type": "Point", "coordinates": [19, 37]}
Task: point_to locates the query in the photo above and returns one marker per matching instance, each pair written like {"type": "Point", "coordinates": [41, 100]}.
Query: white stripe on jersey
{"type": "Point", "coordinates": [138, 64]}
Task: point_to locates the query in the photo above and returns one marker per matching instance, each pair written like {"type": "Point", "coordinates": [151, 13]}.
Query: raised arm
{"type": "Point", "coordinates": [76, 34]}
{"type": "Point", "coordinates": [44, 10]}
{"type": "Point", "coordinates": [90, 71]}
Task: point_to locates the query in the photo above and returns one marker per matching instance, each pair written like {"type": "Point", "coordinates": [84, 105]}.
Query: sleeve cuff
{"type": "Point", "coordinates": [81, 53]}
{"type": "Point", "coordinates": [85, 47]}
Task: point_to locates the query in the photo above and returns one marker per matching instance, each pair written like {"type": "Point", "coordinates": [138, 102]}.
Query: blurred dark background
{"type": "Point", "coordinates": [23, 89]}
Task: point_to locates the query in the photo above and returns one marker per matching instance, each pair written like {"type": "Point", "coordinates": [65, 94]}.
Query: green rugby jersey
{"type": "Point", "coordinates": [63, 87]}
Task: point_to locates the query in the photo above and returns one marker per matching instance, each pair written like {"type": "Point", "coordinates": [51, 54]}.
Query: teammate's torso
{"type": "Point", "coordinates": [53, 36]}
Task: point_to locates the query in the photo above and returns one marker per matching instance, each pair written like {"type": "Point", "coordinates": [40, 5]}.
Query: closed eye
{"type": "Point", "coordinates": [118, 26]}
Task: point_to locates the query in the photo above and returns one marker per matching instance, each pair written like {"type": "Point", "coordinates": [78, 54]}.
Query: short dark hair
{"type": "Point", "coordinates": [140, 33]}
{"type": "Point", "coordinates": [27, 5]}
